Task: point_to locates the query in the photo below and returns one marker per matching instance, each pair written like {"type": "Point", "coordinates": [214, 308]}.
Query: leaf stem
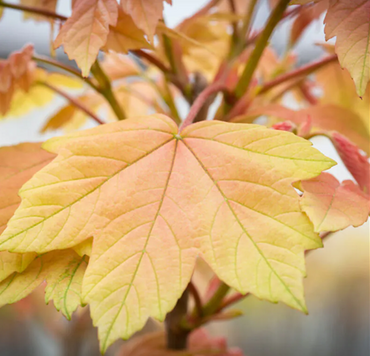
{"type": "Point", "coordinates": [76, 73]}
{"type": "Point", "coordinates": [200, 101]}
{"type": "Point", "coordinates": [300, 72]}
{"type": "Point", "coordinates": [33, 10]}
{"type": "Point", "coordinates": [73, 101]}
{"type": "Point", "coordinates": [106, 90]}
{"type": "Point", "coordinates": [231, 300]}
{"type": "Point", "coordinates": [150, 58]}
{"type": "Point", "coordinates": [216, 300]}
{"type": "Point", "coordinates": [261, 44]}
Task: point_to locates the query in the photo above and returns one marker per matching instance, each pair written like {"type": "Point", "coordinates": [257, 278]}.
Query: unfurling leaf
{"type": "Point", "coordinates": [154, 199]}
{"type": "Point", "coordinates": [145, 14]}
{"type": "Point", "coordinates": [356, 162]}
{"type": "Point", "coordinates": [332, 206]}
{"type": "Point", "coordinates": [86, 31]}
{"type": "Point", "coordinates": [63, 272]}
{"type": "Point", "coordinates": [349, 21]}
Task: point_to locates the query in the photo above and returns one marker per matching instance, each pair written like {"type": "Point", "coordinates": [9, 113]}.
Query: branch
{"type": "Point", "coordinates": [214, 303]}
{"type": "Point", "coordinates": [106, 90]}
{"type": "Point", "coordinates": [150, 58]}
{"type": "Point", "coordinates": [76, 73]}
{"type": "Point", "coordinates": [300, 72]}
{"type": "Point", "coordinates": [200, 101]}
{"type": "Point", "coordinates": [34, 10]}
{"type": "Point", "coordinates": [73, 101]}
{"type": "Point", "coordinates": [261, 44]}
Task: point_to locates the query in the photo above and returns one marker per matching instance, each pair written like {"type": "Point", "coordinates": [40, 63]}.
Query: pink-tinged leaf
{"type": "Point", "coordinates": [86, 31]}
{"type": "Point", "coordinates": [349, 21]}
{"type": "Point", "coordinates": [16, 72]}
{"type": "Point", "coordinates": [285, 126]}
{"type": "Point", "coordinates": [125, 35]}
{"type": "Point", "coordinates": [305, 17]}
{"type": "Point", "coordinates": [356, 162]}
{"type": "Point", "coordinates": [17, 165]}
{"type": "Point", "coordinates": [322, 118]}
{"type": "Point", "coordinates": [332, 206]}
{"type": "Point", "coordinates": [145, 13]}
{"type": "Point", "coordinates": [139, 186]}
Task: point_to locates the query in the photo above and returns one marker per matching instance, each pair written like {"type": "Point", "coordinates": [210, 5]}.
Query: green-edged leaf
{"type": "Point", "coordinates": [63, 271]}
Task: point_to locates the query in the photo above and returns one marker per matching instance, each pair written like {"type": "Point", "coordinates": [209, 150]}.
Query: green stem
{"type": "Point", "coordinates": [66, 68]}
{"type": "Point", "coordinates": [33, 10]}
{"type": "Point", "coordinates": [261, 44]}
{"type": "Point", "coordinates": [216, 300]}
{"type": "Point", "coordinates": [106, 90]}
{"type": "Point", "coordinates": [241, 41]}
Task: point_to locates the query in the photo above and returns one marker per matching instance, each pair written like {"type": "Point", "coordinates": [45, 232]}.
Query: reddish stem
{"type": "Point", "coordinates": [151, 59]}
{"type": "Point", "coordinates": [200, 101]}
{"type": "Point", "coordinates": [33, 10]}
{"type": "Point", "coordinates": [300, 72]}
{"type": "Point", "coordinates": [231, 300]}
{"type": "Point", "coordinates": [74, 102]}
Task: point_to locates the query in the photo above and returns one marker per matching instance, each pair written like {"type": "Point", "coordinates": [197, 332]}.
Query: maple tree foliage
{"type": "Point", "coordinates": [116, 216]}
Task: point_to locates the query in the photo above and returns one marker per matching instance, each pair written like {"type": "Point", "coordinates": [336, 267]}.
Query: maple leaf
{"type": "Point", "coordinates": [154, 200]}
{"type": "Point", "coordinates": [145, 14]}
{"type": "Point", "coordinates": [16, 72]}
{"type": "Point", "coordinates": [86, 31]}
{"type": "Point", "coordinates": [63, 271]}
{"type": "Point", "coordinates": [125, 35]}
{"type": "Point", "coordinates": [117, 66]}
{"type": "Point", "coordinates": [305, 17]}
{"type": "Point", "coordinates": [18, 164]}
{"type": "Point", "coordinates": [349, 21]}
{"type": "Point", "coordinates": [323, 118]}
{"type": "Point", "coordinates": [333, 206]}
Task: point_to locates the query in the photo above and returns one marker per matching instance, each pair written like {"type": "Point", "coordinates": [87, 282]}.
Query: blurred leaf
{"type": "Point", "coordinates": [305, 17]}
{"type": "Point", "coordinates": [356, 162]}
{"type": "Point", "coordinates": [125, 35]}
{"type": "Point", "coordinates": [349, 22]}
{"type": "Point", "coordinates": [145, 14]}
{"type": "Point", "coordinates": [118, 66]}
{"type": "Point", "coordinates": [333, 206]}
{"type": "Point", "coordinates": [200, 344]}
{"type": "Point", "coordinates": [86, 31]}
{"type": "Point", "coordinates": [49, 5]}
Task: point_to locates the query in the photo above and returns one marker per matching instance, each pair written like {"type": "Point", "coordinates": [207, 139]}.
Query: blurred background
{"type": "Point", "coordinates": [337, 286]}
